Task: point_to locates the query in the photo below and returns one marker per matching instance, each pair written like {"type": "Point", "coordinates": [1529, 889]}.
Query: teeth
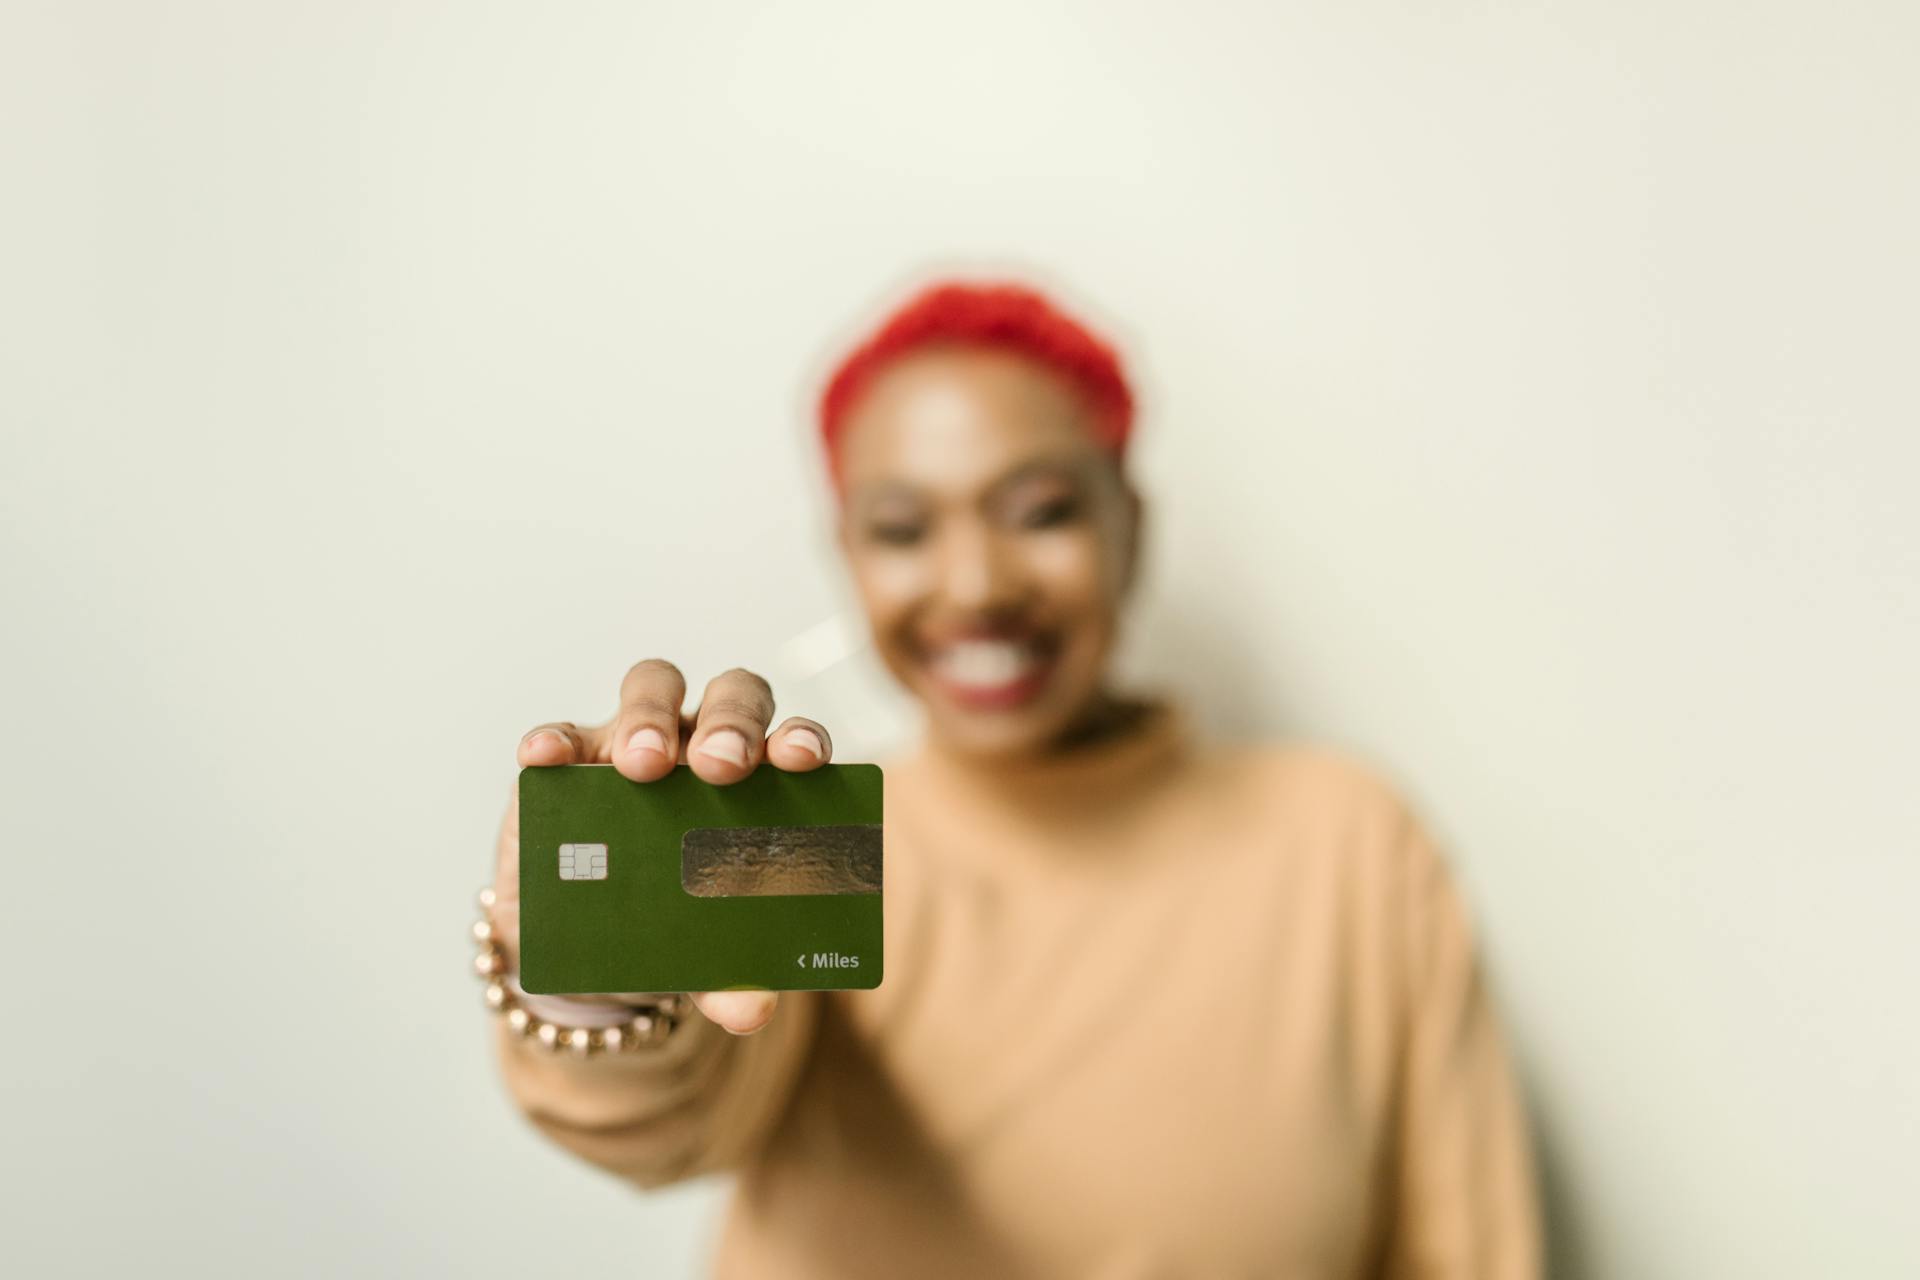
{"type": "Point", "coordinates": [984, 662]}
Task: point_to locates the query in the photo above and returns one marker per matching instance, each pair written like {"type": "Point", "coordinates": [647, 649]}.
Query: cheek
{"type": "Point", "coordinates": [1074, 575]}
{"type": "Point", "coordinates": [890, 586]}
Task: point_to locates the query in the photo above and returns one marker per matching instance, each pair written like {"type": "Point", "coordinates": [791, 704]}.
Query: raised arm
{"type": "Point", "coordinates": [703, 1099]}
{"type": "Point", "coordinates": [700, 1103]}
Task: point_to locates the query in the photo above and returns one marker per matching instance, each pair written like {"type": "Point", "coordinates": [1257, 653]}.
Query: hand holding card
{"type": "Point", "coordinates": [723, 744]}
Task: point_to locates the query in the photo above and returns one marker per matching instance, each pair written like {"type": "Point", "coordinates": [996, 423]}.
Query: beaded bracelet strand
{"type": "Point", "coordinates": [634, 1027]}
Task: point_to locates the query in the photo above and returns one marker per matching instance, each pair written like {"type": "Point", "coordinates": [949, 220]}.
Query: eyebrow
{"type": "Point", "coordinates": [1074, 468]}
{"type": "Point", "coordinates": [1071, 468]}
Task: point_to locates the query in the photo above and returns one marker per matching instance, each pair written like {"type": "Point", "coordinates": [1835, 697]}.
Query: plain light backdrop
{"type": "Point", "coordinates": [1528, 401]}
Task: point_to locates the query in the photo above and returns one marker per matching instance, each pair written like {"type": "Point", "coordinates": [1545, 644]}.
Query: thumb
{"type": "Point", "coordinates": [741, 1012]}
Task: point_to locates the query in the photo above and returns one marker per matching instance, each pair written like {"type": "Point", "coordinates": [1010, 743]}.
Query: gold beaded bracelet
{"type": "Point", "coordinates": [648, 1026]}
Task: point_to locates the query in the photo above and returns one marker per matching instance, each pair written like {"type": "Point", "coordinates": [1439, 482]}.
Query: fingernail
{"type": "Point", "coordinates": [648, 739]}
{"type": "Point", "coordinates": [808, 741]}
{"type": "Point", "coordinates": [726, 746]}
{"type": "Point", "coordinates": [534, 739]}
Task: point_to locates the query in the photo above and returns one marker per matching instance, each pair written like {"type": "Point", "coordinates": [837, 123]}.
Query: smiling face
{"type": "Point", "coordinates": [992, 542]}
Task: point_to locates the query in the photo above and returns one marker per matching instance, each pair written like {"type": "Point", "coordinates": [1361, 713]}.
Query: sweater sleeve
{"type": "Point", "coordinates": [702, 1102]}
{"type": "Point", "coordinates": [1465, 1191]}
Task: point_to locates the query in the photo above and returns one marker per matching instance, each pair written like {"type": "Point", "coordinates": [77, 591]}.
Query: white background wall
{"type": "Point", "coordinates": [1528, 401]}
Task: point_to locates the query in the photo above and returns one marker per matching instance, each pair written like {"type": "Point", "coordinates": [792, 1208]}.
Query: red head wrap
{"type": "Point", "coordinates": [1009, 316]}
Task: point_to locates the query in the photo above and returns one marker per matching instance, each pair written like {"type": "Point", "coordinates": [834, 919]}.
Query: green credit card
{"type": "Point", "coordinates": [680, 885]}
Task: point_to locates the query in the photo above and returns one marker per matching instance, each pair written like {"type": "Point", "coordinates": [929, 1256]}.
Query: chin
{"type": "Point", "coordinates": [1005, 720]}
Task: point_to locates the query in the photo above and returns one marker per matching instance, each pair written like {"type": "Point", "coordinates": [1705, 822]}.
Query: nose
{"type": "Point", "coordinates": [976, 573]}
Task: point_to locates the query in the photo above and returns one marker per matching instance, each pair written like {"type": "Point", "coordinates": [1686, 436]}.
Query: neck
{"type": "Point", "coordinates": [1115, 758]}
{"type": "Point", "coordinates": [1106, 716]}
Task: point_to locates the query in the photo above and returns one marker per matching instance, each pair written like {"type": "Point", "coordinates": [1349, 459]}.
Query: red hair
{"type": "Point", "coordinates": [1011, 317]}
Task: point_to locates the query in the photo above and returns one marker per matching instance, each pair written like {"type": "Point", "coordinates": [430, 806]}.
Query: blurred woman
{"type": "Point", "coordinates": [1154, 1005]}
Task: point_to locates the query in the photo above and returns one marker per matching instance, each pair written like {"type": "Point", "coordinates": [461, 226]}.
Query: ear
{"type": "Point", "coordinates": [842, 535]}
{"type": "Point", "coordinates": [1136, 519]}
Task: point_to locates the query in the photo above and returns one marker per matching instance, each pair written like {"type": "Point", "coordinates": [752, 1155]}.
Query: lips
{"type": "Point", "coordinates": [991, 672]}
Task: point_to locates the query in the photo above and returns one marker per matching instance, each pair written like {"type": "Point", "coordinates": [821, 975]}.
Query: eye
{"type": "Point", "coordinates": [1050, 513]}
{"type": "Point", "coordinates": [895, 533]}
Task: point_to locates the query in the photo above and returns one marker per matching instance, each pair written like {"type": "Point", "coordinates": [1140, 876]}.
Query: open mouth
{"type": "Point", "coordinates": [992, 672]}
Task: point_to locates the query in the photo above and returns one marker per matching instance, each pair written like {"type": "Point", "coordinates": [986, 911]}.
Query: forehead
{"type": "Point", "coordinates": [955, 419]}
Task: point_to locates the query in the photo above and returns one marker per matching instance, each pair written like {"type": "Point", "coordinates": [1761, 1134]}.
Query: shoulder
{"type": "Point", "coordinates": [1323, 804]}
{"type": "Point", "coordinates": [1310, 780]}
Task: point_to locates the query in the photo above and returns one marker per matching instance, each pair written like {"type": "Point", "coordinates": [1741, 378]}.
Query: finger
{"type": "Point", "coordinates": [558, 742]}
{"type": "Point", "coordinates": [799, 744]}
{"type": "Point", "coordinates": [730, 732]}
{"type": "Point", "coordinates": [646, 731]}
{"type": "Point", "coordinates": [741, 1012]}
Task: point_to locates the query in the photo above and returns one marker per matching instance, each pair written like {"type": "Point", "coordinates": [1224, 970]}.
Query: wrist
{"type": "Point", "coordinates": [553, 1023]}
{"type": "Point", "coordinates": [568, 1012]}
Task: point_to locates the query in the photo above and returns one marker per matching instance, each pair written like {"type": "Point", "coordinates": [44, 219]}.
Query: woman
{"type": "Point", "coordinates": [1154, 1006]}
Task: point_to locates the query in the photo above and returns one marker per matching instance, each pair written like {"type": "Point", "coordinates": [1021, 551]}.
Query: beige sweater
{"type": "Point", "coordinates": [1162, 1009]}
